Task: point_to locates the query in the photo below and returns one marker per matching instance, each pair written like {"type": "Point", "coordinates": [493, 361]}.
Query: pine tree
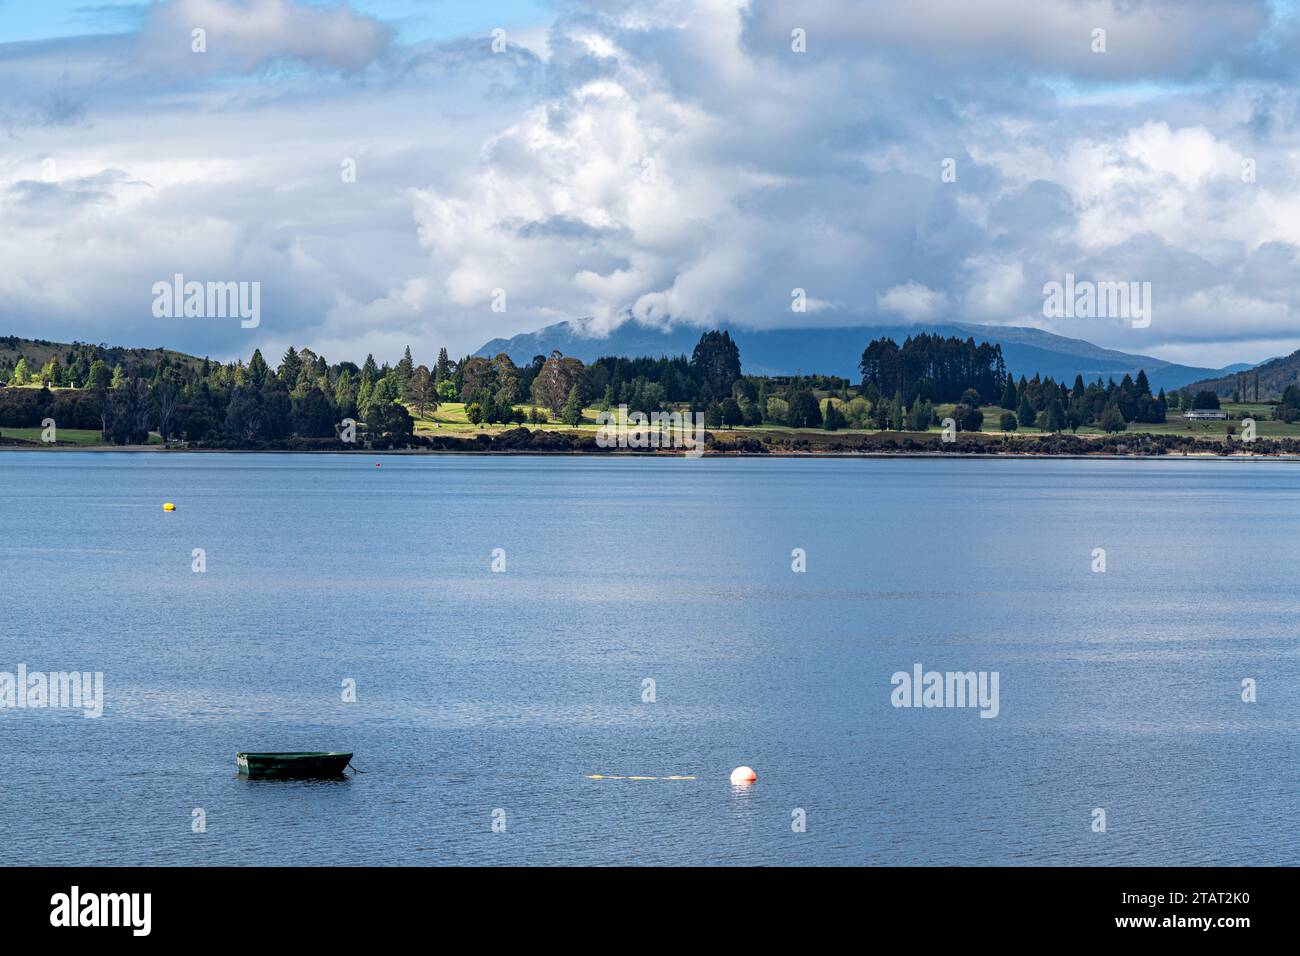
{"type": "Point", "coordinates": [345, 394]}
{"type": "Point", "coordinates": [920, 416]}
{"type": "Point", "coordinates": [405, 367]}
{"type": "Point", "coordinates": [364, 392]}
{"type": "Point", "coordinates": [1112, 420]}
{"type": "Point", "coordinates": [290, 367]}
{"type": "Point", "coordinates": [1009, 397]}
{"type": "Point", "coordinates": [832, 418]}
{"type": "Point", "coordinates": [716, 361]}
{"type": "Point", "coordinates": [1025, 412]}
{"type": "Point", "coordinates": [98, 376]}
{"type": "Point", "coordinates": [257, 369]}
{"type": "Point", "coordinates": [571, 412]}
{"type": "Point", "coordinates": [1055, 416]}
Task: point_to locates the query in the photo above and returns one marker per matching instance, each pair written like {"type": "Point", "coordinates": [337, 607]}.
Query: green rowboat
{"type": "Point", "coordinates": [286, 766]}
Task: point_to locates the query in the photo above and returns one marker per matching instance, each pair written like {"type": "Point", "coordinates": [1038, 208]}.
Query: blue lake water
{"type": "Point", "coordinates": [480, 691]}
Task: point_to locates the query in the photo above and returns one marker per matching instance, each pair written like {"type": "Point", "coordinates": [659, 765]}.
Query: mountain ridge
{"type": "Point", "coordinates": [1274, 376]}
{"type": "Point", "coordinates": [836, 351]}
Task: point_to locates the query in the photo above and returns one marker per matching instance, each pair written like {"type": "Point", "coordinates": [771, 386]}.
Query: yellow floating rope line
{"type": "Point", "coordinates": [606, 776]}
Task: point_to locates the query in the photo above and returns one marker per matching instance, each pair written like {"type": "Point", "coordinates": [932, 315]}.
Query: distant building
{"type": "Point", "coordinates": [1211, 413]}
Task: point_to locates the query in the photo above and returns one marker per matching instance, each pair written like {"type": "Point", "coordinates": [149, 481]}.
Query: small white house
{"type": "Point", "coordinates": [1203, 413]}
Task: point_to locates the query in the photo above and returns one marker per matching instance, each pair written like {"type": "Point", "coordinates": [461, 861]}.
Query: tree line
{"type": "Point", "coordinates": [308, 397]}
{"type": "Point", "coordinates": [305, 396]}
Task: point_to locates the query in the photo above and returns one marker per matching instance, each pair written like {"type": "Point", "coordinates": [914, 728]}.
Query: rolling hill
{"type": "Point", "coordinates": [836, 351]}
{"type": "Point", "coordinates": [1274, 376]}
{"type": "Point", "coordinates": [39, 351]}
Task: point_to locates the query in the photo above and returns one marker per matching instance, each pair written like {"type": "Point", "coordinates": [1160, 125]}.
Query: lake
{"type": "Point", "coordinates": [488, 696]}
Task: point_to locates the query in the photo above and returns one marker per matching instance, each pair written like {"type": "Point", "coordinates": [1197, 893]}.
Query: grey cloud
{"type": "Point", "coordinates": [28, 197]}
{"type": "Point", "coordinates": [565, 227]}
{"type": "Point", "coordinates": [248, 35]}
{"type": "Point", "coordinates": [516, 68]}
{"type": "Point", "coordinates": [1272, 268]}
{"type": "Point", "coordinates": [1178, 39]}
{"type": "Point", "coordinates": [1030, 211]}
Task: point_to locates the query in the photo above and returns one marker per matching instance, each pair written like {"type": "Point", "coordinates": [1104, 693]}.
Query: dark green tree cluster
{"type": "Point", "coordinates": [211, 402]}
{"type": "Point", "coordinates": [708, 377]}
{"type": "Point", "coordinates": [644, 384]}
{"type": "Point", "coordinates": [711, 382]}
{"type": "Point", "coordinates": [934, 368]}
{"type": "Point", "coordinates": [1051, 406]}
{"type": "Point", "coordinates": [28, 407]}
{"type": "Point", "coordinates": [304, 396]}
{"type": "Point", "coordinates": [1288, 410]}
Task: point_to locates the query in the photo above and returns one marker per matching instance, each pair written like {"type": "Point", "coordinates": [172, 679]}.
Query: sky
{"type": "Point", "coordinates": [442, 173]}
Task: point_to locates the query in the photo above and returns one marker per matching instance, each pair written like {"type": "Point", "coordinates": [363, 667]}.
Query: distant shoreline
{"type": "Point", "coordinates": [631, 453]}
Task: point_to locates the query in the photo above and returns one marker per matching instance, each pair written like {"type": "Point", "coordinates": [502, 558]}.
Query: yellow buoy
{"type": "Point", "coordinates": [169, 507]}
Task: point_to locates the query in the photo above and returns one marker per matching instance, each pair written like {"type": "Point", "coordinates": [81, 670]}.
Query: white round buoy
{"type": "Point", "coordinates": [742, 775]}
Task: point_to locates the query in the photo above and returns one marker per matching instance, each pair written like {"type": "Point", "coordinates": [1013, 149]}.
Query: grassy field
{"type": "Point", "coordinates": [450, 418]}
{"type": "Point", "coordinates": [80, 436]}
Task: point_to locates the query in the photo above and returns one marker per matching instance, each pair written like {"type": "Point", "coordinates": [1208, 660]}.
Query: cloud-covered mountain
{"type": "Point", "coordinates": [836, 351]}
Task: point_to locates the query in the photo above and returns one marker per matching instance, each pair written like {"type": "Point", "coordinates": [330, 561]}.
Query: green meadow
{"type": "Point", "coordinates": [76, 436]}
